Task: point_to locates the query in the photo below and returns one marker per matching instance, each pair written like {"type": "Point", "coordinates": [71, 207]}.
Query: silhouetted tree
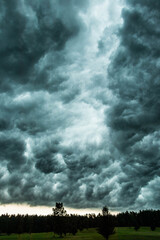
{"type": "Point", "coordinates": [59, 210]}
{"type": "Point", "coordinates": [60, 223]}
{"type": "Point", "coordinates": [106, 224]}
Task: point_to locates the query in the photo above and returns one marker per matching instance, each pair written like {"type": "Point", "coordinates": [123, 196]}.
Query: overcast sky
{"type": "Point", "coordinates": [80, 103]}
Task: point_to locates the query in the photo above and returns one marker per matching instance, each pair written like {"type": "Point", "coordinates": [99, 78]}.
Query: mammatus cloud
{"type": "Point", "coordinates": [79, 103]}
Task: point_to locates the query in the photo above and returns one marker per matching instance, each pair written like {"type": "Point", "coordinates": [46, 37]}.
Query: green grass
{"type": "Point", "coordinates": [144, 233]}
{"type": "Point", "coordinates": [90, 234]}
{"type": "Point", "coordinates": [124, 233]}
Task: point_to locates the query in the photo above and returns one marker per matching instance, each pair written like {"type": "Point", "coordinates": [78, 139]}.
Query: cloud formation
{"type": "Point", "coordinates": [79, 97]}
{"type": "Point", "coordinates": [134, 115]}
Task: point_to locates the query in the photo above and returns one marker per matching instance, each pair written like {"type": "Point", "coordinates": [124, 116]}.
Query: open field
{"type": "Point", "coordinates": [121, 234]}
{"type": "Point", "coordinates": [144, 233]}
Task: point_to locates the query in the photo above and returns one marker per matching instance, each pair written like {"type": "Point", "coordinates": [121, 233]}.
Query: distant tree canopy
{"type": "Point", "coordinates": [146, 218]}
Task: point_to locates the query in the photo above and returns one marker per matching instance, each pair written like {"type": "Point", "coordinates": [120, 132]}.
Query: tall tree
{"type": "Point", "coordinates": [59, 221]}
{"type": "Point", "coordinates": [106, 223]}
{"type": "Point", "coordinates": [59, 210]}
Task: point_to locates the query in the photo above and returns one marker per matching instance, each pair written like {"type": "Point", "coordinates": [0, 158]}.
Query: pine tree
{"type": "Point", "coordinates": [106, 224]}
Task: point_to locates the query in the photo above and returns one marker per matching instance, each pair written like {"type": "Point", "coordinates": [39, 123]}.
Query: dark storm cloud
{"type": "Point", "coordinates": [48, 160]}
{"type": "Point", "coordinates": [12, 152]}
{"type": "Point", "coordinates": [28, 35]}
{"type": "Point", "coordinates": [33, 65]}
{"type": "Point", "coordinates": [68, 132]}
{"type": "Point", "coordinates": [134, 115]}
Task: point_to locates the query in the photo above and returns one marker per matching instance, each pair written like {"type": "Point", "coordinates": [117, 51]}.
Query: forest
{"type": "Point", "coordinates": [62, 223]}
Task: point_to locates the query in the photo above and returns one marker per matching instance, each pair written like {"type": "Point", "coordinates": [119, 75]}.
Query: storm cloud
{"type": "Point", "coordinates": [134, 115]}
{"type": "Point", "coordinates": [79, 94]}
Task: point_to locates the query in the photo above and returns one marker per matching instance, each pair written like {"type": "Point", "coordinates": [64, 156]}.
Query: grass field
{"type": "Point", "coordinates": [144, 233]}
{"type": "Point", "coordinates": [121, 234]}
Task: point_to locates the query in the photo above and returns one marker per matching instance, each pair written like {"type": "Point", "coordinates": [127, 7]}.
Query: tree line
{"type": "Point", "coordinates": [59, 223]}
{"type": "Point", "coordinates": [50, 223]}
{"type": "Point", "coordinates": [147, 218]}
{"type": "Point", "coordinates": [62, 223]}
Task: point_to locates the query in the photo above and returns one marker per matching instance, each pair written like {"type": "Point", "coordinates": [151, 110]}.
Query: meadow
{"type": "Point", "coordinates": [122, 233]}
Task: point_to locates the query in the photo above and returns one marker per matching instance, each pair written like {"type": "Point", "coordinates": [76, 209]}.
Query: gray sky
{"type": "Point", "coordinates": [80, 103]}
